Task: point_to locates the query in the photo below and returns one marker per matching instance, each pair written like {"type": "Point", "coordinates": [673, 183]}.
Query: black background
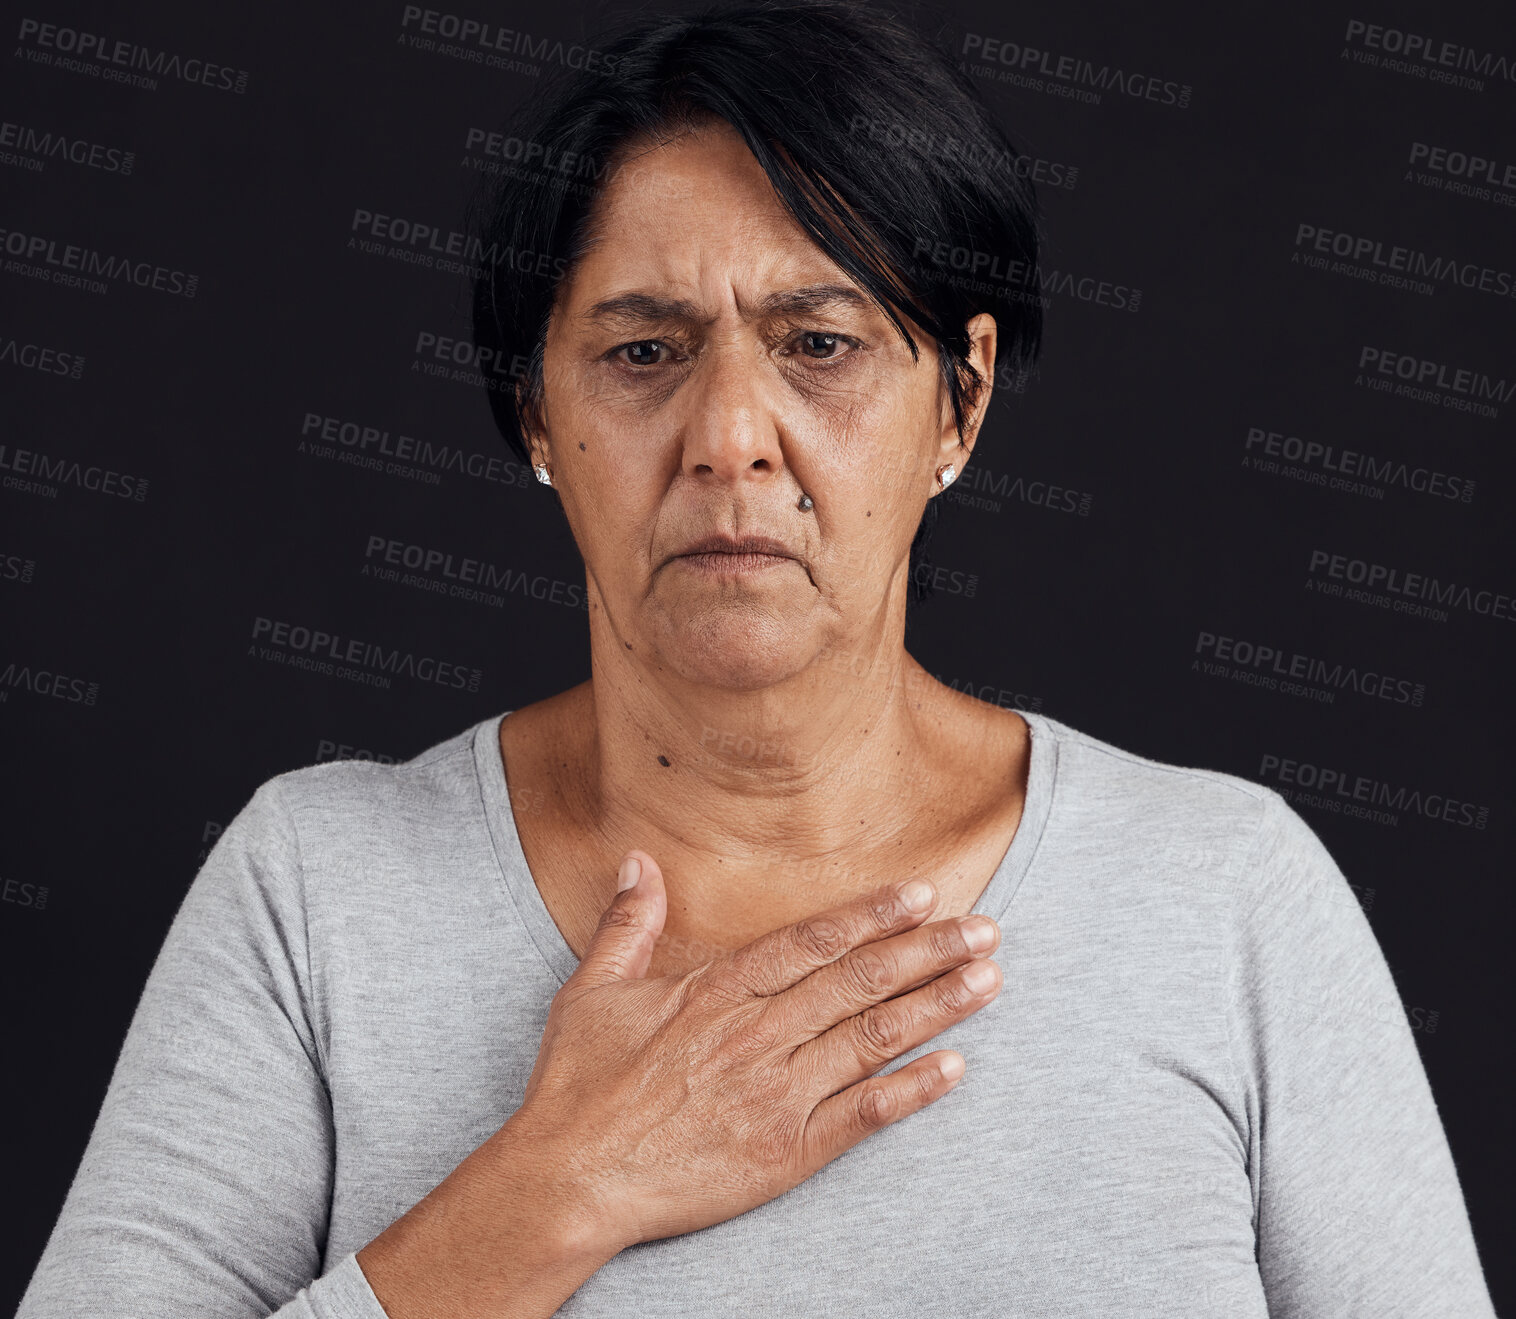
{"type": "Point", "coordinates": [137, 716]}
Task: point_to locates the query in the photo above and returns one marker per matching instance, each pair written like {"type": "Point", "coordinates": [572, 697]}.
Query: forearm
{"type": "Point", "coordinates": [502, 1237]}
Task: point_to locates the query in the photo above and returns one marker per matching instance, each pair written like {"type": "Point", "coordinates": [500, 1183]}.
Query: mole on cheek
{"type": "Point", "coordinates": [581, 446]}
{"type": "Point", "coordinates": [664, 761]}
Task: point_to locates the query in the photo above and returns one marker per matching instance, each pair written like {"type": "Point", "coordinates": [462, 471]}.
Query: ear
{"type": "Point", "coordinates": [532, 429]}
{"type": "Point", "coordinates": [981, 334]}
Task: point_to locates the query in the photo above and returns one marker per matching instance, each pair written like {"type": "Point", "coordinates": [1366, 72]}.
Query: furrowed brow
{"type": "Point", "coordinates": [650, 308]}
{"type": "Point", "coordinates": [643, 308]}
{"type": "Point", "coordinates": [813, 298]}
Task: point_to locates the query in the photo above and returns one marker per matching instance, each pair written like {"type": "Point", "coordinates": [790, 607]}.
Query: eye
{"type": "Point", "coordinates": [820, 346]}
{"type": "Point", "coordinates": [640, 352]}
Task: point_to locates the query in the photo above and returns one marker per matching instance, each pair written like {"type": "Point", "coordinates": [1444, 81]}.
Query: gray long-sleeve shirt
{"type": "Point", "coordinates": [1197, 1093]}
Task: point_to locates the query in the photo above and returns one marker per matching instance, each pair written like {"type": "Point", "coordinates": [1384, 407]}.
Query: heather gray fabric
{"type": "Point", "coordinates": [1198, 1093]}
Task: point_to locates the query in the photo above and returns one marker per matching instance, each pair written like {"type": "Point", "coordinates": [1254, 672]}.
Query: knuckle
{"type": "Point", "coordinates": [772, 1144]}
{"type": "Point", "coordinates": [946, 942]}
{"type": "Point", "coordinates": [709, 982]}
{"type": "Point", "coordinates": [877, 1106]}
{"type": "Point", "coordinates": [754, 1041]}
{"type": "Point", "coordinates": [928, 1079]}
{"type": "Point", "coordinates": [885, 909]}
{"type": "Point", "coordinates": [952, 994]}
{"type": "Point", "coordinates": [822, 936]}
{"type": "Point", "coordinates": [878, 1033]}
{"type": "Point", "coordinates": [566, 1001]}
{"type": "Point", "coordinates": [869, 971]}
{"type": "Point", "coordinates": [618, 913]}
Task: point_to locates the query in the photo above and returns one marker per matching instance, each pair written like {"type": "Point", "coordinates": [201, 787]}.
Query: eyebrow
{"type": "Point", "coordinates": [650, 307]}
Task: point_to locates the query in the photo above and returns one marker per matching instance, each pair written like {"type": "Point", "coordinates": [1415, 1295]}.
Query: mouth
{"type": "Point", "coordinates": [725, 562]}
{"type": "Point", "coordinates": [728, 555]}
{"type": "Point", "coordinates": [722, 543]}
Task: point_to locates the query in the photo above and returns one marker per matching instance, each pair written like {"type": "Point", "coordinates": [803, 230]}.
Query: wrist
{"type": "Point", "coordinates": [536, 1164]}
{"type": "Point", "coordinates": [508, 1234]}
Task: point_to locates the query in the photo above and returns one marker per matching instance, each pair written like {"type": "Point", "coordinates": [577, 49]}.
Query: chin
{"type": "Point", "coordinates": [734, 646]}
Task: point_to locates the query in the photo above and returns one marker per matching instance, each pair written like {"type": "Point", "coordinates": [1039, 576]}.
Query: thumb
{"type": "Point", "coordinates": [622, 945]}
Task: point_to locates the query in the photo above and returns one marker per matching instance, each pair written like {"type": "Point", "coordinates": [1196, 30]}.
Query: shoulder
{"type": "Point", "coordinates": [1206, 829]}
{"type": "Point", "coordinates": [342, 812]}
{"type": "Point", "coordinates": [345, 831]}
{"type": "Point", "coordinates": [1185, 816]}
{"type": "Point", "coordinates": [1212, 841]}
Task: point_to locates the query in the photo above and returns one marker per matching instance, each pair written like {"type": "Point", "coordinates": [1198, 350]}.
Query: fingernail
{"type": "Point", "coordinates": [979, 976]}
{"type": "Point", "coordinates": [629, 874]}
{"type": "Point", "coordinates": [917, 895]}
{"type": "Point", "coordinates": [978, 933]}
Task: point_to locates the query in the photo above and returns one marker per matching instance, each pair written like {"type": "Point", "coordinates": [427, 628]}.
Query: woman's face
{"type": "Point", "coordinates": [707, 364]}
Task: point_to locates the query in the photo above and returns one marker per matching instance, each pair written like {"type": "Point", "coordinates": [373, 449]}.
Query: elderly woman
{"type": "Point", "coordinates": [683, 992]}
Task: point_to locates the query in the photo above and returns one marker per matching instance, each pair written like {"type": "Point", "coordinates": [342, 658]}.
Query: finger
{"type": "Point", "coordinates": [876, 972]}
{"type": "Point", "coordinates": [861, 1045]}
{"type": "Point", "coordinates": [622, 946]}
{"type": "Point", "coordinates": [776, 960]}
{"type": "Point", "coordinates": [839, 1123]}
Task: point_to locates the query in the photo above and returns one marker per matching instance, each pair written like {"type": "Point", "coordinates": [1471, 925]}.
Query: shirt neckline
{"type": "Point", "coordinates": [510, 857]}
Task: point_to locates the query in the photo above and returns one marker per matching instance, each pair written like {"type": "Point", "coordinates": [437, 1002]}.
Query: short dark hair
{"type": "Point", "coordinates": [876, 142]}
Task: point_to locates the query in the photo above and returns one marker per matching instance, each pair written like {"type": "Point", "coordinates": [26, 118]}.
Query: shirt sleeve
{"type": "Point", "coordinates": [205, 1186]}
{"type": "Point", "coordinates": [1359, 1211]}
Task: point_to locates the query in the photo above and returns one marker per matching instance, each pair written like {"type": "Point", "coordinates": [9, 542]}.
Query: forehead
{"type": "Point", "coordinates": [696, 215]}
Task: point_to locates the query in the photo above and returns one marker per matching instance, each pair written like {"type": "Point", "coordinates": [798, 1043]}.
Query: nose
{"type": "Point", "coordinates": [730, 429]}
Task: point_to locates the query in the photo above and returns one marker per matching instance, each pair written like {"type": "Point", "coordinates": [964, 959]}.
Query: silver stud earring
{"type": "Point", "coordinates": [542, 474]}
{"type": "Point", "coordinates": [945, 475]}
{"type": "Point", "coordinates": [806, 504]}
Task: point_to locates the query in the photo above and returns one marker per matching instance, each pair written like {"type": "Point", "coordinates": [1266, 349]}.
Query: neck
{"type": "Point", "coordinates": [800, 780]}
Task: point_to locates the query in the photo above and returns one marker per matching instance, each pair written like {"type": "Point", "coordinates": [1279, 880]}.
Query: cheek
{"type": "Point", "coordinates": [874, 452]}
{"type": "Point", "coordinates": [871, 463]}
{"type": "Point", "coordinates": [609, 452]}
